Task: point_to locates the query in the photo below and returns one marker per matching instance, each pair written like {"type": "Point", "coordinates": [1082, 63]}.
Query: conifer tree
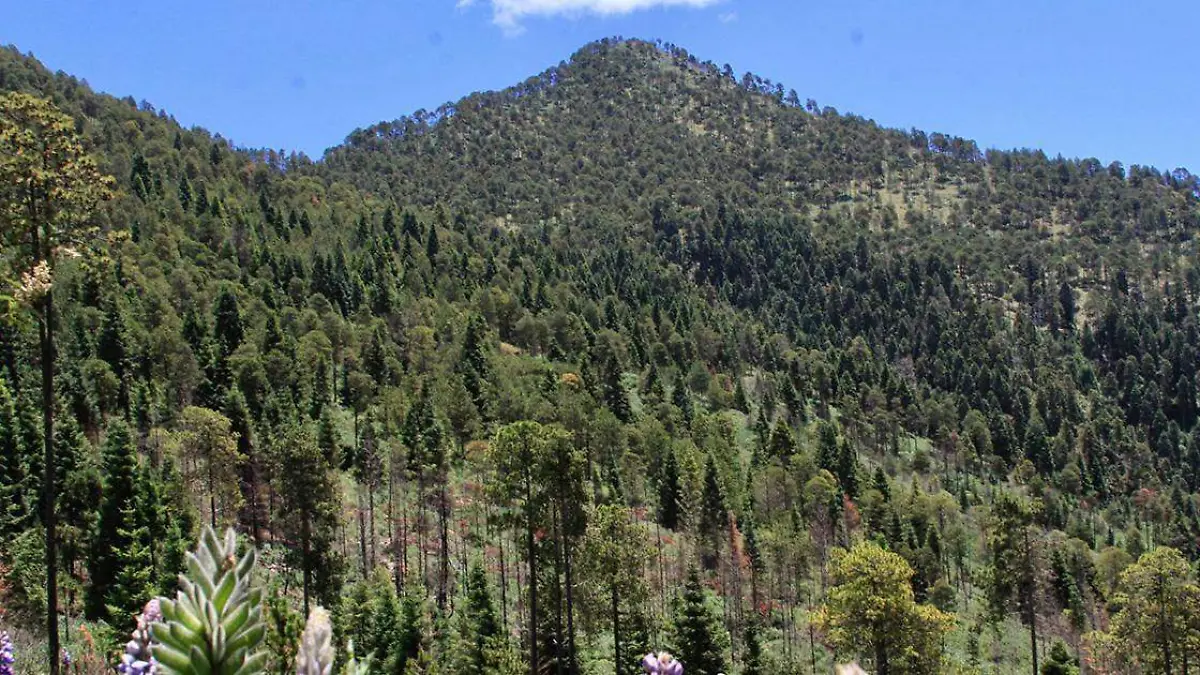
{"type": "Point", "coordinates": [1018, 566]}
{"type": "Point", "coordinates": [475, 367]}
{"type": "Point", "coordinates": [309, 502]}
{"type": "Point", "coordinates": [871, 611]}
{"type": "Point", "coordinates": [698, 635]}
{"type": "Point", "coordinates": [615, 552]}
{"type": "Point", "coordinates": [713, 515]}
{"type": "Point", "coordinates": [481, 638]}
{"type": "Point", "coordinates": [118, 528]}
{"type": "Point", "coordinates": [50, 187]}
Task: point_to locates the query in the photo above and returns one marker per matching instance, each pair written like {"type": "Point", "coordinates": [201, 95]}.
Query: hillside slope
{"type": "Point", "coordinates": [769, 330]}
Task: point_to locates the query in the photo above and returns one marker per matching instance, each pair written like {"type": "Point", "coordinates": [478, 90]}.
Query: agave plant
{"type": "Point", "coordinates": [214, 626]}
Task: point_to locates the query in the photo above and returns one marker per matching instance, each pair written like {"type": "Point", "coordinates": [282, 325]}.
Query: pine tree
{"type": "Point", "coordinates": [14, 509]}
{"type": "Point", "coordinates": [669, 491]}
{"type": "Point", "coordinates": [870, 610]}
{"type": "Point", "coordinates": [681, 398]}
{"type": "Point", "coordinates": [614, 554]}
{"type": "Point", "coordinates": [1018, 565]}
{"type": "Point", "coordinates": [475, 367]}
{"type": "Point", "coordinates": [612, 390]}
{"type": "Point", "coordinates": [115, 536]}
{"type": "Point", "coordinates": [783, 441]}
{"type": "Point", "coordinates": [480, 635]}
{"type": "Point", "coordinates": [134, 581]}
{"type": "Point", "coordinates": [213, 461]}
{"type": "Point", "coordinates": [713, 516]}
{"type": "Point", "coordinates": [752, 661]}
{"type": "Point", "coordinates": [699, 637]}
{"type": "Point", "coordinates": [310, 498]}
{"type": "Point", "coordinates": [49, 189]}
{"type": "Point", "coordinates": [227, 319]}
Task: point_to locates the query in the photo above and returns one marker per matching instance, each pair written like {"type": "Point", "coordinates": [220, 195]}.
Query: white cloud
{"type": "Point", "coordinates": [728, 17]}
{"type": "Point", "coordinates": [508, 13]}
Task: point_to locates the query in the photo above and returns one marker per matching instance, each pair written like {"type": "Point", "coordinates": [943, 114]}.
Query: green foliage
{"type": "Point", "coordinates": [384, 628]}
{"type": "Point", "coordinates": [890, 308]}
{"type": "Point", "coordinates": [482, 646]}
{"type": "Point", "coordinates": [120, 563]}
{"type": "Point", "coordinates": [1060, 661]}
{"type": "Point", "coordinates": [871, 611]}
{"type": "Point", "coordinates": [291, 650]}
{"type": "Point", "coordinates": [1159, 616]}
{"type": "Point", "coordinates": [698, 635]}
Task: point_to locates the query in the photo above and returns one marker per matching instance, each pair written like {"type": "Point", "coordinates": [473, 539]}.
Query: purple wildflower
{"type": "Point", "coordinates": [137, 659]}
{"type": "Point", "coordinates": [6, 654]}
{"type": "Point", "coordinates": [661, 663]}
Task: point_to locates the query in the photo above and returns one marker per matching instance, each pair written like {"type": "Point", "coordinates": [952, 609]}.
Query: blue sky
{"type": "Point", "coordinates": [1113, 79]}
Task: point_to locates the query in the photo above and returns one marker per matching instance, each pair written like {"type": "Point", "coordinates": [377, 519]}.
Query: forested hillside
{"type": "Point", "coordinates": [638, 354]}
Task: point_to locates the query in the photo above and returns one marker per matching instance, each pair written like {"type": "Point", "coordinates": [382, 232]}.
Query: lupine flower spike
{"type": "Point", "coordinates": [315, 656]}
{"type": "Point", "coordinates": [137, 658]}
{"type": "Point", "coordinates": [7, 659]}
{"type": "Point", "coordinates": [353, 665]}
{"type": "Point", "coordinates": [661, 663]}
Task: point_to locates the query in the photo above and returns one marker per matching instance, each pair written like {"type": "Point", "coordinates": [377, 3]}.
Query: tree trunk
{"type": "Point", "coordinates": [212, 495]}
{"type": "Point", "coordinates": [362, 534]}
{"type": "Point", "coordinates": [371, 518]}
{"type": "Point", "coordinates": [46, 335]}
{"type": "Point", "coordinates": [616, 622]}
{"type": "Point", "coordinates": [391, 524]}
{"type": "Point", "coordinates": [558, 599]}
{"type": "Point", "coordinates": [306, 564]}
{"type": "Point", "coordinates": [443, 545]}
{"type": "Point", "coordinates": [1033, 645]}
{"type": "Point", "coordinates": [531, 554]}
{"type": "Point", "coordinates": [503, 585]}
{"type": "Point", "coordinates": [573, 665]}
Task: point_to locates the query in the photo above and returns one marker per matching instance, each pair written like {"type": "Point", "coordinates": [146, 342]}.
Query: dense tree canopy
{"type": "Point", "coordinates": [633, 355]}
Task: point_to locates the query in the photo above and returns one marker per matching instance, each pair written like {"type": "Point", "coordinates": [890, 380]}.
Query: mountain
{"type": "Point", "coordinates": [753, 330]}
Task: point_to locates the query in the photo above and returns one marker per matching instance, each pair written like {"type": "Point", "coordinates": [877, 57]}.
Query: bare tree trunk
{"type": "Point", "coordinates": [49, 517]}
{"type": "Point", "coordinates": [616, 622]}
{"type": "Point", "coordinates": [362, 534]}
{"type": "Point", "coordinates": [503, 585]}
{"type": "Point", "coordinates": [371, 516]}
{"type": "Point", "coordinates": [531, 553]}
{"type": "Point", "coordinates": [662, 573]}
{"type": "Point", "coordinates": [391, 525]}
{"type": "Point", "coordinates": [558, 600]}
{"type": "Point", "coordinates": [306, 563]}
{"type": "Point", "coordinates": [443, 545]}
{"type": "Point", "coordinates": [574, 664]}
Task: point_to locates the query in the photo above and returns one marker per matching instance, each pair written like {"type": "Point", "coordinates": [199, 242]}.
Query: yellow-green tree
{"type": "Point", "coordinates": [871, 612]}
{"type": "Point", "coordinates": [1160, 603]}
{"type": "Point", "coordinates": [211, 460]}
{"type": "Point", "coordinates": [522, 459]}
{"type": "Point", "coordinates": [615, 553]}
{"type": "Point", "coordinates": [50, 188]}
